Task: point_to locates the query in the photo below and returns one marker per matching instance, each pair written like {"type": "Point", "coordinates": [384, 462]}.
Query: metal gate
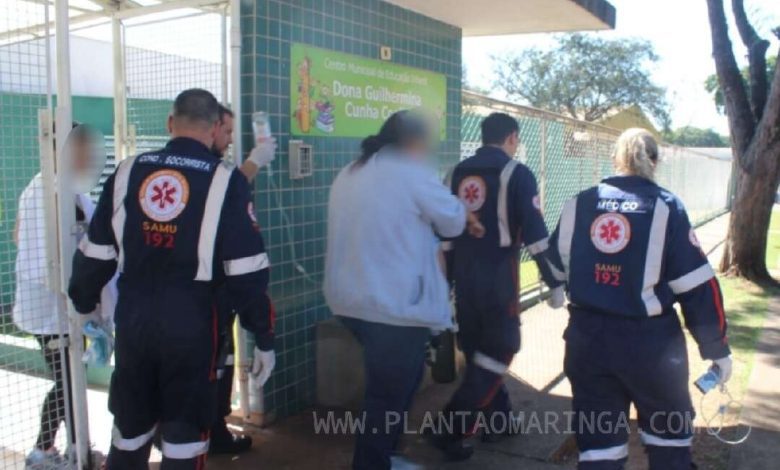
{"type": "Point", "coordinates": [157, 51]}
{"type": "Point", "coordinates": [33, 315]}
{"type": "Point", "coordinates": [162, 54]}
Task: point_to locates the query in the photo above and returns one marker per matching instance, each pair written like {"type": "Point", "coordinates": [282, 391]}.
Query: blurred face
{"type": "Point", "coordinates": [81, 153]}
{"type": "Point", "coordinates": [86, 153]}
{"type": "Point", "coordinates": [418, 149]}
{"type": "Point", "coordinates": [224, 136]}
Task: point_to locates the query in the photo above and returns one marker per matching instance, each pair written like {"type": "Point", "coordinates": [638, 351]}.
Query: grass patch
{"type": "Point", "coordinates": [773, 242]}
{"type": "Point", "coordinates": [746, 307]}
{"type": "Point", "coordinates": [529, 275]}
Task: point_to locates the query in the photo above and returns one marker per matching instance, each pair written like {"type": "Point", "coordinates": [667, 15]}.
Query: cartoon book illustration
{"type": "Point", "coordinates": [325, 117]}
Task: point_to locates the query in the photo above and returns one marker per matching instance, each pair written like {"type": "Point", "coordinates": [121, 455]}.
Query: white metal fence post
{"type": "Point", "coordinates": [120, 90]}
{"type": "Point", "coordinates": [66, 215]}
{"type": "Point", "coordinates": [542, 180]}
{"type": "Point", "coordinates": [242, 356]}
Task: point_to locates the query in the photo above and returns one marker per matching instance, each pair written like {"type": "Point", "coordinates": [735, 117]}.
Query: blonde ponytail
{"type": "Point", "coordinates": [636, 153]}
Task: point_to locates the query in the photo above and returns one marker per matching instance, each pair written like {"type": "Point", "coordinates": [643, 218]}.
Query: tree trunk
{"type": "Point", "coordinates": [755, 142]}
{"type": "Point", "coordinates": [745, 249]}
{"type": "Point", "coordinates": [757, 183]}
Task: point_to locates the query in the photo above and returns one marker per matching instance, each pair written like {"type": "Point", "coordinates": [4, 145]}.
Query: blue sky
{"type": "Point", "coordinates": [680, 32]}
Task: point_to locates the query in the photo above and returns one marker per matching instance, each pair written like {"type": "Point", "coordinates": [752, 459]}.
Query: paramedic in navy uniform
{"type": "Point", "coordinates": [501, 192]}
{"type": "Point", "coordinates": [628, 253]}
{"type": "Point", "coordinates": [222, 441]}
{"type": "Point", "coordinates": [175, 223]}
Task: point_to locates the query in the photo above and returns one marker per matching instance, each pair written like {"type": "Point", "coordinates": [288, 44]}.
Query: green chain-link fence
{"type": "Point", "coordinates": [568, 156]}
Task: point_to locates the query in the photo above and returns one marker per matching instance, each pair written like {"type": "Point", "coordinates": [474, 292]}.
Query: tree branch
{"type": "Point", "coordinates": [757, 47]}
{"type": "Point", "coordinates": [741, 120]}
{"type": "Point", "coordinates": [768, 130]}
{"type": "Point", "coordinates": [746, 31]}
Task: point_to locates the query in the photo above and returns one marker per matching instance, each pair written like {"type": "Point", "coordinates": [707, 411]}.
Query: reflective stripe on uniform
{"type": "Point", "coordinates": [488, 363]}
{"type": "Point", "coordinates": [651, 440]}
{"type": "Point", "coordinates": [120, 215]}
{"type": "Point", "coordinates": [250, 264]}
{"type": "Point", "coordinates": [187, 450]}
{"type": "Point", "coordinates": [566, 234]}
{"type": "Point", "coordinates": [95, 251]}
{"type": "Point", "coordinates": [609, 453]}
{"type": "Point", "coordinates": [654, 258]}
{"type": "Point", "coordinates": [133, 443]}
{"type": "Point", "coordinates": [505, 238]}
{"type": "Point", "coordinates": [557, 274]}
{"type": "Point", "coordinates": [230, 360]}
{"type": "Point", "coordinates": [693, 279]}
{"type": "Point", "coordinates": [538, 247]}
{"type": "Point", "coordinates": [211, 215]}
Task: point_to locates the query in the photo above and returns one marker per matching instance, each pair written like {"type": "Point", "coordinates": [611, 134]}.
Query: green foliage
{"type": "Point", "coordinates": [713, 87]}
{"type": "Point", "coordinates": [468, 86]}
{"type": "Point", "coordinates": [773, 242]}
{"type": "Point", "coordinates": [689, 136]}
{"type": "Point", "coordinates": [585, 77]}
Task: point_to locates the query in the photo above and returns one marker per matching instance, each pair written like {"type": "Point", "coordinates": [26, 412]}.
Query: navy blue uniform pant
{"type": "Point", "coordinates": [612, 362]}
{"type": "Point", "coordinates": [394, 361]}
{"type": "Point", "coordinates": [225, 373]}
{"type": "Point", "coordinates": [164, 376]}
{"type": "Point", "coordinates": [489, 336]}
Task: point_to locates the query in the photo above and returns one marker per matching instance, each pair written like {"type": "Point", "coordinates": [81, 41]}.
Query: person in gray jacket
{"type": "Point", "coordinates": [383, 278]}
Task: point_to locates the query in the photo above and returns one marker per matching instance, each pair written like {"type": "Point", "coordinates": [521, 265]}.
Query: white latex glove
{"type": "Point", "coordinates": [557, 298]}
{"type": "Point", "coordinates": [725, 366]}
{"type": "Point", "coordinates": [262, 365]}
{"type": "Point", "coordinates": [263, 153]}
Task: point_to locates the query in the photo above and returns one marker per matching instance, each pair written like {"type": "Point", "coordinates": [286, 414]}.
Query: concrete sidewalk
{"type": "Point", "coordinates": [761, 407]}
{"type": "Point", "coordinates": [536, 384]}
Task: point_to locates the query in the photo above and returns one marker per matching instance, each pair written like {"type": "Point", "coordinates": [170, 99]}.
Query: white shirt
{"type": "Point", "coordinates": [37, 309]}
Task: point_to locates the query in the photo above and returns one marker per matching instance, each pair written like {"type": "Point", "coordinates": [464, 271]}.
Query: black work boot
{"type": "Point", "coordinates": [222, 441]}
{"type": "Point", "coordinates": [511, 428]}
{"type": "Point", "coordinates": [455, 449]}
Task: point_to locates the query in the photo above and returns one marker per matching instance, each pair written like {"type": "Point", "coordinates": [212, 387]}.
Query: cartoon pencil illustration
{"type": "Point", "coordinates": [304, 101]}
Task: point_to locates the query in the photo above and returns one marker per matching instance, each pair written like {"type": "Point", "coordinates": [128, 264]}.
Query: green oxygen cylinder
{"type": "Point", "coordinates": [441, 357]}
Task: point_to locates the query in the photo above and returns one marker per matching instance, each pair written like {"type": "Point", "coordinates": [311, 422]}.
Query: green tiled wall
{"type": "Point", "coordinates": [19, 162]}
{"type": "Point", "coordinates": [293, 213]}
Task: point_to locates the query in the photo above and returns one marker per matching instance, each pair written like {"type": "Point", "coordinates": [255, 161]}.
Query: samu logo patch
{"type": "Point", "coordinates": [472, 191]}
{"type": "Point", "coordinates": [164, 195]}
{"type": "Point", "coordinates": [610, 233]}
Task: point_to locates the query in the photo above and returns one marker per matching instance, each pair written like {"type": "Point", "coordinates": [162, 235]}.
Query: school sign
{"type": "Point", "coordinates": [343, 95]}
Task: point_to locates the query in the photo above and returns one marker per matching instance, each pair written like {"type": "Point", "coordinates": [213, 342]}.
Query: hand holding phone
{"type": "Point", "coordinates": [709, 380]}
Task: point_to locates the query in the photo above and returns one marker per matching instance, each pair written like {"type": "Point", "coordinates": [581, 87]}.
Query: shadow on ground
{"type": "Point", "coordinates": [744, 334]}
{"type": "Point", "coordinates": [294, 444]}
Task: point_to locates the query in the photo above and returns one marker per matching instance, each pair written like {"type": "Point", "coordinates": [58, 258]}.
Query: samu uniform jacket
{"type": "Point", "coordinates": [628, 253]}
{"type": "Point", "coordinates": [176, 223]}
